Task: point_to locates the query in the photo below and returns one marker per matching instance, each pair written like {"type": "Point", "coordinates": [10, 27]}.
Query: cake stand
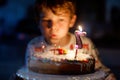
{"type": "Point", "coordinates": [26, 74]}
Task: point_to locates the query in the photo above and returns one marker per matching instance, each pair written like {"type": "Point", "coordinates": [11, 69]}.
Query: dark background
{"type": "Point", "coordinates": [100, 19]}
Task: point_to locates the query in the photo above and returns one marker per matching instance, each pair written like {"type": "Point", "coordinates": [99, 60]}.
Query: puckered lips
{"type": "Point", "coordinates": [53, 36]}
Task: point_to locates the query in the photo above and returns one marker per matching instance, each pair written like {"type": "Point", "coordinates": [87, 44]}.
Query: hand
{"type": "Point", "coordinates": [111, 77]}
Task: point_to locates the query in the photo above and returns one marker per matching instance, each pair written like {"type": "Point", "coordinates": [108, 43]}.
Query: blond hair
{"type": "Point", "coordinates": [56, 6]}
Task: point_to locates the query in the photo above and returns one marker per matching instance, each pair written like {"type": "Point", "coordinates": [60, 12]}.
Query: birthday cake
{"type": "Point", "coordinates": [57, 60]}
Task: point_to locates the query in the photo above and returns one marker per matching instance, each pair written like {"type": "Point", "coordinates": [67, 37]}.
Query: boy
{"type": "Point", "coordinates": [55, 18]}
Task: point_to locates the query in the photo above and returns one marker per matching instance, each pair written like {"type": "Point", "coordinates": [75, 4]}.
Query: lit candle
{"type": "Point", "coordinates": [79, 33]}
{"type": "Point", "coordinates": [43, 46]}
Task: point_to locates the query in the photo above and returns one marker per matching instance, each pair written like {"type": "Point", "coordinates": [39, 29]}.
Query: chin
{"type": "Point", "coordinates": [54, 41]}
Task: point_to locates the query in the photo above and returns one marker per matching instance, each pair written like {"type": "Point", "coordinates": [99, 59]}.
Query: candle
{"type": "Point", "coordinates": [43, 46]}
{"type": "Point", "coordinates": [79, 33]}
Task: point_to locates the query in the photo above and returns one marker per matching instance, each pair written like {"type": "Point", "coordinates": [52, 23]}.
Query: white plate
{"type": "Point", "coordinates": [30, 75]}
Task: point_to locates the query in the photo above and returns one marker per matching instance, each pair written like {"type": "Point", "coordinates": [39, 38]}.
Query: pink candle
{"type": "Point", "coordinates": [78, 34]}
{"type": "Point", "coordinates": [78, 39]}
{"type": "Point", "coordinates": [81, 32]}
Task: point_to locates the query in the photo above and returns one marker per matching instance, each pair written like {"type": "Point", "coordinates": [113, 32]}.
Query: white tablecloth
{"type": "Point", "coordinates": [29, 75]}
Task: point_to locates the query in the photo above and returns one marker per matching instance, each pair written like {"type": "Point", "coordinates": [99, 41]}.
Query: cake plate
{"type": "Point", "coordinates": [30, 75]}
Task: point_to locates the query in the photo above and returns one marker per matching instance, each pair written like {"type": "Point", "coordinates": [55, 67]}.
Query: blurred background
{"type": "Point", "coordinates": [100, 19]}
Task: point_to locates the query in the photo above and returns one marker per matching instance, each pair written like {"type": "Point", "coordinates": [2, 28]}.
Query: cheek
{"type": "Point", "coordinates": [42, 27]}
{"type": "Point", "coordinates": [64, 27]}
{"type": "Point", "coordinates": [45, 31]}
{"type": "Point", "coordinates": [64, 30]}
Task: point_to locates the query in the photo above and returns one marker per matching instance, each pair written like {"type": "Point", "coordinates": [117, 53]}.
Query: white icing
{"type": "Point", "coordinates": [70, 55]}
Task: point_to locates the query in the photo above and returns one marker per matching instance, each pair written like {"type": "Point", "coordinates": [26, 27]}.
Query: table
{"type": "Point", "coordinates": [30, 75]}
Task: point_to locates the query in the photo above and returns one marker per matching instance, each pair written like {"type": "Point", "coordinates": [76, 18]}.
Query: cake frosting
{"type": "Point", "coordinates": [58, 60]}
{"type": "Point", "coordinates": [68, 55]}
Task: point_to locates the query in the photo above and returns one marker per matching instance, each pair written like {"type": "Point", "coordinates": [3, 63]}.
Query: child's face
{"type": "Point", "coordinates": [55, 27]}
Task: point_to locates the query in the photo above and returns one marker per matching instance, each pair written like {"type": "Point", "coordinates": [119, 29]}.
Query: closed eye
{"type": "Point", "coordinates": [48, 23]}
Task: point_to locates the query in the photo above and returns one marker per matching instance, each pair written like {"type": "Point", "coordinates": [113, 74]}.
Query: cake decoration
{"type": "Point", "coordinates": [60, 51]}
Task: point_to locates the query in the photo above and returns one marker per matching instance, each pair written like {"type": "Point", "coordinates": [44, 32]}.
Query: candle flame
{"type": "Point", "coordinates": [80, 28]}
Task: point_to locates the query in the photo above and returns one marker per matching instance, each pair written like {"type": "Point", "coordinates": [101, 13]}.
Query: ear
{"type": "Point", "coordinates": [73, 20]}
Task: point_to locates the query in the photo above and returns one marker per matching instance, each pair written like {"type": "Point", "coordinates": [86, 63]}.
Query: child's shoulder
{"type": "Point", "coordinates": [36, 40]}
{"type": "Point", "coordinates": [85, 38]}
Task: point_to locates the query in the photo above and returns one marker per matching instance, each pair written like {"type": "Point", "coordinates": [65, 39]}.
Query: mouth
{"type": "Point", "coordinates": [54, 39]}
{"type": "Point", "coordinates": [53, 36]}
